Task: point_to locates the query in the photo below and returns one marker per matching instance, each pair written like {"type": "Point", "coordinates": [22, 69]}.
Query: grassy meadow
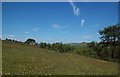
{"type": "Point", "coordinates": [20, 59]}
{"type": "Point", "coordinates": [0, 57]}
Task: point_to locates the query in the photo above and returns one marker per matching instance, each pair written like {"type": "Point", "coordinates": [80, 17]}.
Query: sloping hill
{"type": "Point", "coordinates": [20, 59]}
{"type": "Point", "coordinates": [82, 44]}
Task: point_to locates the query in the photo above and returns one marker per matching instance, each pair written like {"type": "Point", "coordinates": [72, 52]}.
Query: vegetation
{"type": "Point", "coordinates": [23, 59]}
{"type": "Point", "coordinates": [60, 47]}
{"type": "Point", "coordinates": [47, 59]}
{"type": "Point", "coordinates": [30, 41]}
{"type": "Point", "coordinates": [110, 35]}
{"type": "Point", "coordinates": [109, 47]}
{"type": "Point", "coordinates": [13, 40]}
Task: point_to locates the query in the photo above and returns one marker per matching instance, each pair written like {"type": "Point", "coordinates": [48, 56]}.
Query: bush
{"type": "Point", "coordinates": [60, 47]}
{"type": "Point", "coordinates": [43, 45]}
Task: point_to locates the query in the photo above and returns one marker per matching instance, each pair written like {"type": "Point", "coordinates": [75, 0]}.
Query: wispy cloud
{"type": "Point", "coordinates": [35, 29]}
{"type": "Point", "coordinates": [76, 10]}
{"type": "Point", "coordinates": [11, 35]}
{"type": "Point", "coordinates": [57, 26]}
{"type": "Point", "coordinates": [26, 32]}
{"type": "Point", "coordinates": [82, 22]}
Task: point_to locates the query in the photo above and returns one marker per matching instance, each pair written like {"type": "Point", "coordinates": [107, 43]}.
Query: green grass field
{"type": "Point", "coordinates": [0, 57]}
{"type": "Point", "coordinates": [19, 59]}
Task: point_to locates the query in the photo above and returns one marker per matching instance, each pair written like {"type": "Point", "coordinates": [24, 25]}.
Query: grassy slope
{"type": "Point", "coordinates": [21, 59]}
{"type": "Point", "coordinates": [0, 57]}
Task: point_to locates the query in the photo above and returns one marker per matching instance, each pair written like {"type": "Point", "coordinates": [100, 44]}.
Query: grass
{"type": "Point", "coordinates": [20, 59]}
{"type": "Point", "coordinates": [0, 57]}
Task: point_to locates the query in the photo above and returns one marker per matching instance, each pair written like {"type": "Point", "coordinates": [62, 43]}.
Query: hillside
{"type": "Point", "coordinates": [20, 59]}
{"type": "Point", "coordinates": [79, 44]}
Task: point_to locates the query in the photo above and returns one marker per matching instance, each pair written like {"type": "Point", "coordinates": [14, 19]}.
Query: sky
{"type": "Point", "coordinates": [60, 0]}
{"type": "Point", "coordinates": [51, 22]}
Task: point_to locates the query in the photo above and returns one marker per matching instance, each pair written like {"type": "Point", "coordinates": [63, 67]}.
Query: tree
{"type": "Point", "coordinates": [109, 47]}
{"type": "Point", "coordinates": [110, 35]}
{"type": "Point", "coordinates": [43, 45]}
{"type": "Point", "coordinates": [91, 44]}
{"type": "Point", "coordinates": [30, 41]}
{"type": "Point", "coordinates": [60, 47]}
{"type": "Point", "coordinates": [110, 39]}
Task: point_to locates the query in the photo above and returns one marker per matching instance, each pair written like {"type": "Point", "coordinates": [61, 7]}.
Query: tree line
{"type": "Point", "coordinates": [109, 46]}
{"type": "Point", "coordinates": [107, 49]}
{"type": "Point", "coordinates": [60, 47]}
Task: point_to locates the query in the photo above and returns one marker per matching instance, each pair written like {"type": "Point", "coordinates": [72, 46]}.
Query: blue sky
{"type": "Point", "coordinates": [57, 21]}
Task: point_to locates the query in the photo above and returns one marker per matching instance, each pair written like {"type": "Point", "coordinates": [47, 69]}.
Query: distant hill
{"type": "Point", "coordinates": [79, 44]}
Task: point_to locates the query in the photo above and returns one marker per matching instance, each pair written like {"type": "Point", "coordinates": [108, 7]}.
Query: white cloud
{"type": "Point", "coordinates": [76, 10]}
{"type": "Point", "coordinates": [26, 32]}
{"type": "Point", "coordinates": [57, 26]}
{"type": "Point", "coordinates": [11, 35]}
{"type": "Point", "coordinates": [82, 22]}
{"type": "Point", "coordinates": [35, 29]}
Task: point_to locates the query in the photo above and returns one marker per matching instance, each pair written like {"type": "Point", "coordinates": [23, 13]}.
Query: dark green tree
{"type": "Point", "coordinates": [110, 35]}
{"type": "Point", "coordinates": [43, 45]}
{"type": "Point", "coordinates": [110, 39]}
{"type": "Point", "coordinates": [30, 41]}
